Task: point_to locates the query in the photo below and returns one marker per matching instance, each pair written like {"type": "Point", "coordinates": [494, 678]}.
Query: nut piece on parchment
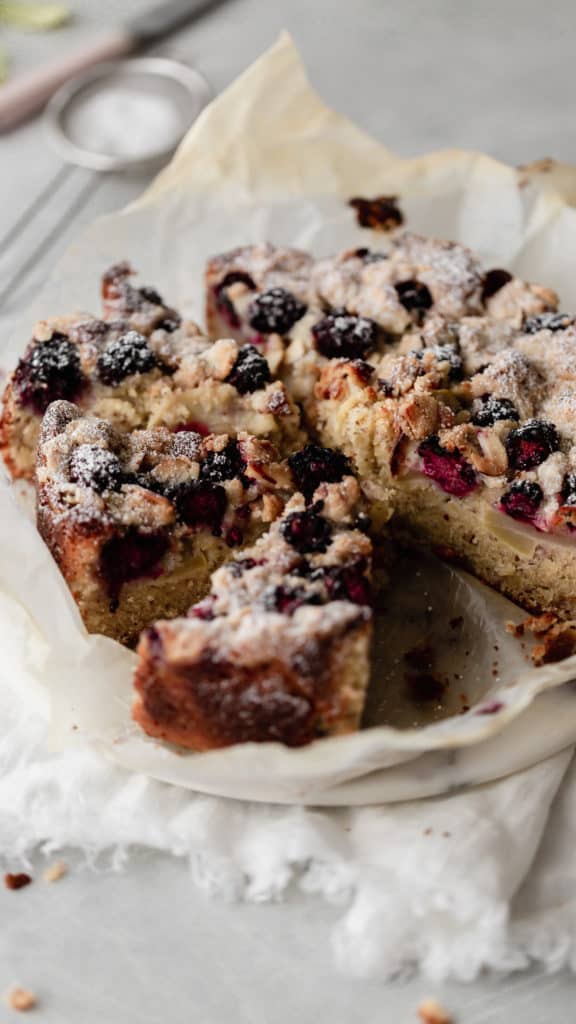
{"type": "Point", "coordinates": [20, 999]}
{"type": "Point", "coordinates": [55, 871]}
{"type": "Point", "coordinates": [431, 1012]}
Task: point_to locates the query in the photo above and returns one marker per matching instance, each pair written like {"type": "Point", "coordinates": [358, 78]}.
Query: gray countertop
{"type": "Point", "coordinates": [145, 945]}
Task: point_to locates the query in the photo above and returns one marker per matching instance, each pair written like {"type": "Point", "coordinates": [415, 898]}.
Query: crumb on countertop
{"type": "Point", "coordinates": [55, 871]}
{"type": "Point", "coordinates": [431, 1012]}
{"type": "Point", "coordinates": [16, 881]}
{"type": "Point", "coordinates": [20, 999]}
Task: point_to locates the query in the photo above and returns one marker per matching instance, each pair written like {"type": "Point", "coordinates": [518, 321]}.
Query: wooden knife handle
{"type": "Point", "coordinates": [29, 93]}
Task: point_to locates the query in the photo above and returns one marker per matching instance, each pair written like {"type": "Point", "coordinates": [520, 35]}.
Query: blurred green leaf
{"type": "Point", "coordinates": [33, 16]}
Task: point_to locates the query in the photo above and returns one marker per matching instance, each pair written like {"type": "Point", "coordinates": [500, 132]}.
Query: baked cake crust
{"type": "Point", "coordinates": [279, 649]}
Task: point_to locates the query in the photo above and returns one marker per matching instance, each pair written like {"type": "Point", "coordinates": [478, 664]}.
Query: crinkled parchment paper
{"type": "Point", "coordinates": [269, 161]}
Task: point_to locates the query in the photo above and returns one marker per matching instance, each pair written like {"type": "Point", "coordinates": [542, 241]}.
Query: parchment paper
{"type": "Point", "coordinates": [268, 160]}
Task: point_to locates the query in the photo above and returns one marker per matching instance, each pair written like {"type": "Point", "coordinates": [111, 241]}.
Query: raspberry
{"type": "Point", "coordinates": [493, 409]}
{"type": "Point", "coordinates": [125, 356]}
{"type": "Point", "coordinates": [250, 371]}
{"type": "Point", "coordinates": [414, 296]}
{"type": "Point", "coordinates": [340, 335]}
{"type": "Point", "coordinates": [307, 531]}
{"type": "Point", "coordinates": [275, 311]}
{"type": "Point", "coordinates": [448, 469]}
{"type": "Point", "coordinates": [49, 371]}
{"type": "Point", "coordinates": [522, 500]}
{"type": "Point", "coordinates": [223, 465]}
{"type": "Point", "coordinates": [493, 281]}
{"type": "Point", "coordinates": [314, 465]}
{"type": "Point", "coordinates": [529, 445]}
{"type": "Point", "coordinates": [95, 467]}
{"type": "Point", "coordinates": [547, 322]}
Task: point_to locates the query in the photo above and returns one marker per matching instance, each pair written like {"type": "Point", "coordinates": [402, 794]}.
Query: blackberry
{"type": "Point", "coordinates": [125, 356]}
{"type": "Point", "coordinates": [50, 370]}
{"type": "Point", "coordinates": [493, 281]}
{"type": "Point", "coordinates": [529, 445]}
{"type": "Point", "coordinates": [341, 335]}
{"type": "Point", "coordinates": [275, 311]}
{"type": "Point", "coordinates": [522, 500]}
{"type": "Point", "coordinates": [414, 296]}
{"type": "Point", "coordinates": [448, 469]}
{"type": "Point", "coordinates": [223, 465]}
{"type": "Point", "coordinates": [250, 371]}
{"type": "Point", "coordinates": [349, 583]}
{"type": "Point", "coordinates": [286, 599]}
{"type": "Point", "coordinates": [446, 354]}
{"type": "Point", "coordinates": [307, 531]}
{"type": "Point", "coordinates": [95, 467]}
{"type": "Point", "coordinates": [224, 305]}
{"type": "Point", "coordinates": [314, 465]}
{"type": "Point", "coordinates": [201, 504]}
{"type": "Point", "coordinates": [547, 322]}
{"type": "Point", "coordinates": [494, 409]}
{"type": "Point", "coordinates": [569, 490]}
{"type": "Point", "coordinates": [130, 557]}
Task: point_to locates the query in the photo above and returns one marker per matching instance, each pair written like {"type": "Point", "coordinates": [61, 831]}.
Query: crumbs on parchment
{"type": "Point", "coordinates": [431, 1012]}
{"type": "Point", "coordinates": [16, 881]}
{"type": "Point", "coordinates": [20, 999]}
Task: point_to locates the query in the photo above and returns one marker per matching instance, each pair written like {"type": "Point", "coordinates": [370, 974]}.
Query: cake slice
{"type": "Point", "coordinates": [280, 647]}
{"type": "Point", "coordinates": [137, 522]}
{"type": "Point", "coordinates": [140, 367]}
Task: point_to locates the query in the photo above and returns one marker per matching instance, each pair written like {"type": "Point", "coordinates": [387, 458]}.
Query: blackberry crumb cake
{"type": "Point", "coordinates": [174, 492]}
{"type": "Point", "coordinates": [279, 649]}
{"type": "Point", "coordinates": [140, 366]}
{"type": "Point", "coordinates": [137, 522]}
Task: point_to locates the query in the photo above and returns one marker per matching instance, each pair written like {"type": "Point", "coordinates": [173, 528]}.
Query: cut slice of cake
{"type": "Point", "coordinates": [137, 522]}
{"type": "Point", "coordinates": [280, 647]}
{"type": "Point", "coordinates": [141, 368]}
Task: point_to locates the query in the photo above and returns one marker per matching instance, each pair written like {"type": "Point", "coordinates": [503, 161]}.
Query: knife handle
{"type": "Point", "coordinates": [30, 92]}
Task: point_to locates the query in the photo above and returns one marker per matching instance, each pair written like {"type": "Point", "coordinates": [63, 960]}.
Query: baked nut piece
{"type": "Point", "coordinates": [140, 368]}
{"type": "Point", "coordinates": [279, 649]}
{"type": "Point", "coordinates": [473, 445]}
{"type": "Point", "coordinates": [359, 305]}
{"type": "Point", "coordinates": [137, 522]}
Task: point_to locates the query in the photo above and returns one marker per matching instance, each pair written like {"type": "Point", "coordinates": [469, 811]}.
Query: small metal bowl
{"type": "Point", "coordinates": [101, 118]}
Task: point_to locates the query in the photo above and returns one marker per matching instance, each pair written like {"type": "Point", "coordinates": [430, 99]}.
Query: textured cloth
{"type": "Point", "coordinates": [449, 886]}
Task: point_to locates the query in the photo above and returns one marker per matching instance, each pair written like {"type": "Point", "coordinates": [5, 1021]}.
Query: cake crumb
{"type": "Point", "coordinates": [430, 1012]}
{"type": "Point", "coordinates": [16, 881]}
{"type": "Point", "coordinates": [21, 999]}
{"type": "Point", "coordinates": [55, 871]}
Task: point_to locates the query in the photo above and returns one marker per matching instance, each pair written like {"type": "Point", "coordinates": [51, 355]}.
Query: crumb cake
{"type": "Point", "coordinates": [137, 521]}
{"type": "Point", "coordinates": [141, 366]}
{"type": "Point", "coordinates": [279, 649]}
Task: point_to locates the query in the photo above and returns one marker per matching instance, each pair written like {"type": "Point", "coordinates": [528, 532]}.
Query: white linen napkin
{"type": "Point", "coordinates": [449, 886]}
